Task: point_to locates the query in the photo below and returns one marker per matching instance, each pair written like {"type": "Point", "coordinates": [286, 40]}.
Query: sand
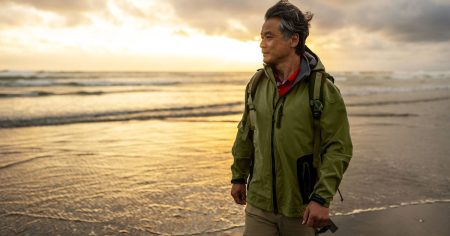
{"type": "Point", "coordinates": [412, 220]}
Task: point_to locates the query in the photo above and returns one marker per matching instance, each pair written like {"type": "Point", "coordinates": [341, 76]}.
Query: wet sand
{"type": "Point", "coordinates": [412, 220]}
{"type": "Point", "coordinates": [424, 219]}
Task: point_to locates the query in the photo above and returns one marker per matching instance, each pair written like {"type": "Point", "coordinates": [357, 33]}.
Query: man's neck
{"type": "Point", "coordinates": [286, 68]}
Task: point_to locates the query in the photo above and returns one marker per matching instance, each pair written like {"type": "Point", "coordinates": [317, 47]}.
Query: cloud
{"type": "Point", "coordinates": [60, 5]}
{"type": "Point", "coordinates": [69, 13]}
{"type": "Point", "coordinates": [243, 19]}
{"type": "Point", "coordinates": [234, 18]}
{"type": "Point", "coordinates": [9, 16]}
{"type": "Point", "coordinates": [72, 12]}
{"type": "Point", "coordinates": [407, 20]}
{"type": "Point", "coordinates": [401, 20]}
{"type": "Point", "coordinates": [147, 12]}
{"type": "Point", "coordinates": [380, 30]}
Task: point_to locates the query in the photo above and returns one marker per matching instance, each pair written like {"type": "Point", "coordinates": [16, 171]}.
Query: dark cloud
{"type": "Point", "coordinates": [396, 20]}
{"type": "Point", "coordinates": [407, 20]}
{"type": "Point", "coordinates": [400, 20]}
{"type": "Point", "coordinates": [213, 16]}
{"type": "Point", "coordinates": [216, 17]}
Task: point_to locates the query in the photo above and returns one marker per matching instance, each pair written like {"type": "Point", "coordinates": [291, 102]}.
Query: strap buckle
{"type": "Point", "coordinates": [316, 108]}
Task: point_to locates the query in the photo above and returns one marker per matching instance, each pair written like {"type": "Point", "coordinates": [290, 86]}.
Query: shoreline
{"type": "Point", "coordinates": [383, 208]}
{"type": "Point", "coordinates": [422, 218]}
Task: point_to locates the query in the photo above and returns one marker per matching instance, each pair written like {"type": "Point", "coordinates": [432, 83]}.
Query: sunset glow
{"type": "Point", "coordinates": [165, 35]}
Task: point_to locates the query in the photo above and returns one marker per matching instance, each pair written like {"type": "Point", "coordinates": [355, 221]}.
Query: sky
{"type": "Point", "coordinates": [217, 35]}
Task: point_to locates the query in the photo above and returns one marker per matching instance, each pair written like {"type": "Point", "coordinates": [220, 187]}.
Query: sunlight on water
{"type": "Point", "coordinates": [162, 177]}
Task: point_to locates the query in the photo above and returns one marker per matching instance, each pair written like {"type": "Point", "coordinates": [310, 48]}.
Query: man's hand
{"type": "Point", "coordinates": [239, 194]}
{"type": "Point", "coordinates": [316, 215]}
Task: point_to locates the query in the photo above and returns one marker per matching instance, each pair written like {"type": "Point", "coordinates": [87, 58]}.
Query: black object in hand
{"type": "Point", "coordinates": [332, 227]}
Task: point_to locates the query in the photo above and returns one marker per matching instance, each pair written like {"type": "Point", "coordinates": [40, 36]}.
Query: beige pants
{"type": "Point", "coordinates": [262, 223]}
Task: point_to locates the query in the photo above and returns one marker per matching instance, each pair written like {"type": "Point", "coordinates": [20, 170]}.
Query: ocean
{"type": "Point", "coordinates": [148, 153]}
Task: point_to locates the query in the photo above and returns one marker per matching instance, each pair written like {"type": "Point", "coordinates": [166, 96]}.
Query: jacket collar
{"type": "Point", "coordinates": [310, 61]}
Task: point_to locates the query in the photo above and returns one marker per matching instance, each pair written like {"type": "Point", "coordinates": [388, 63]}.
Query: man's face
{"type": "Point", "coordinates": [275, 48]}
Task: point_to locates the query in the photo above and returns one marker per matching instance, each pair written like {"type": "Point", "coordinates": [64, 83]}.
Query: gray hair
{"type": "Point", "coordinates": [292, 21]}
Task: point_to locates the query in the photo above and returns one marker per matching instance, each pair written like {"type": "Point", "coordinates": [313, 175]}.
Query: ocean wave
{"type": "Point", "coordinates": [81, 83]}
{"type": "Point", "coordinates": [79, 93]}
{"type": "Point", "coordinates": [366, 90]}
{"type": "Point", "coordinates": [42, 216]}
{"type": "Point", "coordinates": [22, 162]}
{"type": "Point", "coordinates": [393, 75]}
{"type": "Point", "coordinates": [147, 114]}
{"type": "Point", "coordinates": [395, 102]}
{"type": "Point", "coordinates": [381, 208]}
{"type": "Point", "coordinates": [404, 75]}
{"type": "Point", "coordinates": [32, 75]}
{"type": "Point", "coordinates": [221, 109]}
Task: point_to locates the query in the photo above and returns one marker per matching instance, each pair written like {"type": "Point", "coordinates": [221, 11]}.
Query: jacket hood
{"type": "Point", "coordinates": [314, 60]}
{"type": "Point", "coordinates": [310, 62]}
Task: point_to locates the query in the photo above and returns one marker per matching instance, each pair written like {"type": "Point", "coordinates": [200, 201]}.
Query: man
{"type": "Point", "coordinates": [289, 188]}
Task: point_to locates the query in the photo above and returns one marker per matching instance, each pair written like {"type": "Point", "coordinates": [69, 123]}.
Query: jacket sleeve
{"type": "Point", "coordinates": [242, 150]}
{"type": "Point", "coordinates": [336, 144]}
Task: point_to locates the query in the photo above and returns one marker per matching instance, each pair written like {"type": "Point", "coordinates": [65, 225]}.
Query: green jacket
{"type": "Point", "coordinates": [282, 137]}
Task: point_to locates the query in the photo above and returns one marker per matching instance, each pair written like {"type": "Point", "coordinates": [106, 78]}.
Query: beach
{"type": "Point", "coordinates": [149, 154]}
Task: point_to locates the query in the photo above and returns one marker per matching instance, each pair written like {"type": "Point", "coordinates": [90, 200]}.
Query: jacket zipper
{"type": "Point", "coordinates": [274, 177]}
{"type": "Point", "coordinates": [280, 112]}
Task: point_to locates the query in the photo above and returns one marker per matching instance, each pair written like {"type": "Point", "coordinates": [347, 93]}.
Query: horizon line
{"type": "Point", "coordinates": [202, 71]}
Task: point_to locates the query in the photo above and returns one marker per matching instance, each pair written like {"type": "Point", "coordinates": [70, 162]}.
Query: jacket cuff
{"type": "Point", "coordinates": [319, 199]}
{"type": "Point", "coordinates": [238, 181]}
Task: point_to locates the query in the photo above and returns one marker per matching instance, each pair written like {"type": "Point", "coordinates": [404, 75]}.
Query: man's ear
{"type": "Point", "coordinates": [295, 40]}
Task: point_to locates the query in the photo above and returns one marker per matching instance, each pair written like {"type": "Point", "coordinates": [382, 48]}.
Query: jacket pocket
{"type": "Point", "coordinates": [306, 176]}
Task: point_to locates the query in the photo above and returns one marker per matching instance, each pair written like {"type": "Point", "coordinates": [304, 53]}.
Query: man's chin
{"type": "Point", "coordinates": [266, 61]}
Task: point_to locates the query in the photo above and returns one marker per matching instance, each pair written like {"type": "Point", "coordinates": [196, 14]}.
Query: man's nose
{"type": "Point", "coordinates": [262, 44]}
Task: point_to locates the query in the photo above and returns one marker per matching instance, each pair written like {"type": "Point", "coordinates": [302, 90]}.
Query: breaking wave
{"type": "Point", "coordinates": [146, 114]}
